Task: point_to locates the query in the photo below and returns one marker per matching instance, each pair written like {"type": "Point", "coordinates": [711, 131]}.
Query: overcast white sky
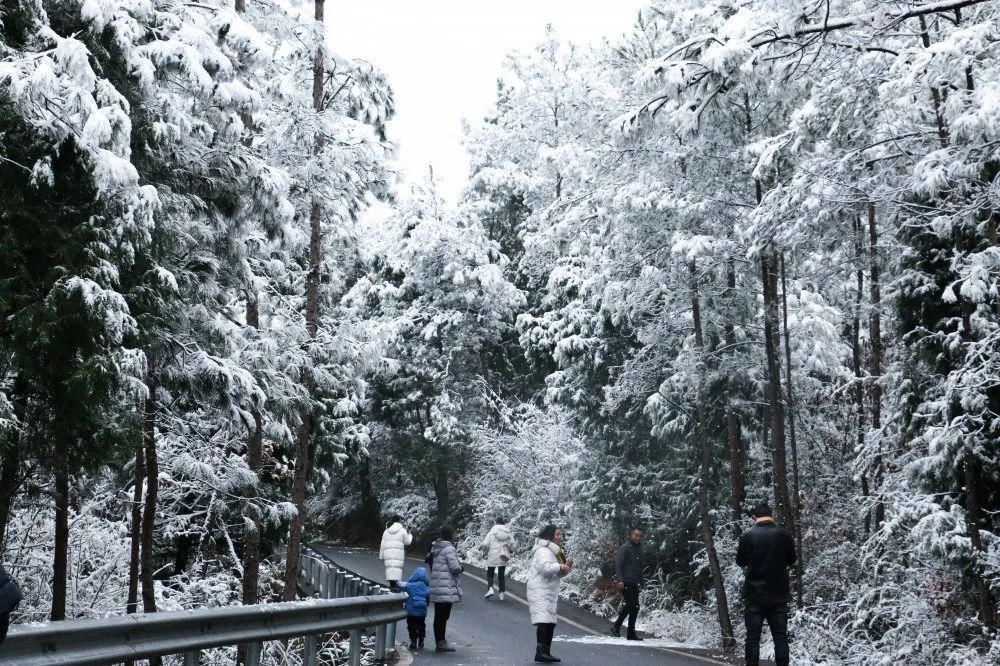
{"type": "Point", "coordinates": [443, 57]}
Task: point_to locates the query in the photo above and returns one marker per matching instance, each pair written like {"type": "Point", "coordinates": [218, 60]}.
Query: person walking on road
{"type": "Point", "coordinates": [10, 597]}
{"type": "Point", "coordinates": [499, 544]}
{"type": "Point", "coordinates": [629, 579]}
{"type": "Point", "coordinates": [418, 590]}
{"type": "Point", "coordinates": [766, 551]}
{"type": "Point", "coordinates": [548, 566]}
{"type": "Point", "coordinates": [446, 587]}
{"type": "Point", "coordinates": [392, 552]}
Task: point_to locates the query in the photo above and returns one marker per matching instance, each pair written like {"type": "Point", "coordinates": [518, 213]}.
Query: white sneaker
{"type": "Point", "coordinates": [489, 593]}
{"type": "Point", "coordinates": [500, 597]}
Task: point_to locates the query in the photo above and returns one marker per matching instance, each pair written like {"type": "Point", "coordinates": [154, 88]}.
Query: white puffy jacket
{"type": "Point", "coordinates": [395, 539]}
{"type": "Point", "coordinates": [543, 582]}
{"type": "Point", "coordinates": [498, 537]}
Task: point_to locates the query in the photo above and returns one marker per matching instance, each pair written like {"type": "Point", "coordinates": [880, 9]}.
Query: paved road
{"type": "Point", "coordinates": [495, 633]}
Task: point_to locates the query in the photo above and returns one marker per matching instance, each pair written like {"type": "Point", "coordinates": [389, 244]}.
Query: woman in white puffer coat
{"type": "Point", "coordinates": [499, 544]}
{"type": "Point", "coordinates": [548, 566]}
{"type": "Point", "coordinates": [395, 539]}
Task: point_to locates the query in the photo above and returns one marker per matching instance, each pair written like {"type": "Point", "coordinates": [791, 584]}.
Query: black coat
{"type": "Point", "coordinates": [629, 566]}
{"type": "Point", "coordinates": [10, 593]}
{"type": "Point", "coordinates": [766, 551]}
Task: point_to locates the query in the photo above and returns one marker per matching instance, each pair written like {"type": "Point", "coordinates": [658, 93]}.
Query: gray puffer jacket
{"type": "Point", "coordinates": [446, 588]}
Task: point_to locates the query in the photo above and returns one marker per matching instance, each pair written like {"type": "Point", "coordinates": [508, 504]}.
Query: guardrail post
{"type": "Point", "coordinates": [380, 644]}
{"type": "Point", "coordinates": [354, 656]}
{"type": "Point", "coordinates": [338, 589]}
{"type": "Point", "coordinates": [310, 651]}
{"type": "Point", "coordinates": [328, 586]}
{"type": "Point", "coordinates": [253, 651]}
{"type": "Point", "coordinates": [390, 636]}
{"type": "Point", "coordinates": [192, 658]}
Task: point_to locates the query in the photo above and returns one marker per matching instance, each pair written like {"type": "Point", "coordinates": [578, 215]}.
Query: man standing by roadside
{"type": "Point", "coordinates": [628, 576]}
{"type": "Point", "coordinates": [766, 551]}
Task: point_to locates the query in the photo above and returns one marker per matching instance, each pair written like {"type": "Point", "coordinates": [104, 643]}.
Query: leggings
{"type": "Point", "coordinates": [489, 576]}
{"type": "Point", "coordinates": [441, 614]}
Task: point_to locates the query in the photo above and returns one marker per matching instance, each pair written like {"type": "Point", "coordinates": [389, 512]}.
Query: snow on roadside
{"type": "Point", "coordinates": [611, 640]}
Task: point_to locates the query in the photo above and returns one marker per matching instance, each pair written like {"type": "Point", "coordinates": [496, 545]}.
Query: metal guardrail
{"type": "Point", "coordinates": [330, 581]}
{"type": "Point", "coordinates": [350, 604]}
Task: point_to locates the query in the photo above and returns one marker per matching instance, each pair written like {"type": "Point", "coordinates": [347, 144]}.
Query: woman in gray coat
{"type": "Point", "coordinates": [446, 588]}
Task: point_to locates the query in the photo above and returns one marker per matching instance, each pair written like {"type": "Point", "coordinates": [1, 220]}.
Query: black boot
{"type": "Point", "coordinates": [542, 655]}
{"type": "Point", "coordinates": [413, 645]}
{"type": "Point", "coordinates": [632, 636]}
{"type": "Point", "coordinates": [616, 630]}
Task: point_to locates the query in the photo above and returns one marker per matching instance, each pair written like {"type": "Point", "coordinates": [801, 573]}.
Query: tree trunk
{"type": "Point", "coordinates": [60, 563]}
{"type": "Point", "coordinates": [251, 511]}
{"type": "Point", "coordinates": [252, 515]}
{"type": "Point", "coordinates": [992, 218]}
{"type": "Point", "coordinates": [255, 448]}
{"type": "Point", "coordinates": [305, 433]}
{"type": "Point", "coordinates": [733, 434]}
{"type": "Point", "coordinates": [942, 125]}
{"type": "Point", "coordinates": [875, 362]}
{"type": "Point", "coordinates": [138, 479]}
{"type": "Point", "coordinates": [859, 388]}
{"type": "Point", "coordinates": [8, 488]}
{"type": "Point", "coordinates": [707, 529]}
{"type": "Point", "coordinates": [973, 504]}
{"type": "Point", "coordinates": [441, 489]}
{"type": "Point", "coordinates": [772, 343]}
{"type": "Point", "coordinates": [797, 507]}
{"type": "Point", "coordinates": [152, 485]}
{"type": "Point", "coordinates": [299, 481]}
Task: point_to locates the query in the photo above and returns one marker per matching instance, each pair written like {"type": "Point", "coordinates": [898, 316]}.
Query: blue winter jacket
{"type": "Point", "coordinates": [419, 588]}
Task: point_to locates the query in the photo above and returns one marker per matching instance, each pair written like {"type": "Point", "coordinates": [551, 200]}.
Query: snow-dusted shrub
{"type": "Point", "coordinates": [416, 509]}
{"type": "Point", "coordinates": [523, 469]}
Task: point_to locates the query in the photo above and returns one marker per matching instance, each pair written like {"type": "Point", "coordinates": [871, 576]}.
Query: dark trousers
{"type": "Point", "coordinates": [417, 627]}
{"type": "Point", "coordinates": [776, 616]}
{"type": "Point", "coordinates": [543, 634]}
{"type": "Point", "coordinates": [441, 614]}
{"type": "Point", "coordinates": [631, 607]}
{"type": "Point", "coordinates": [4, 625]}
{"type": "Point", "coordinates": [489, 576]}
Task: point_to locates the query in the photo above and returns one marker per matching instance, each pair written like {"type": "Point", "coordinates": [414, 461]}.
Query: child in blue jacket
{"type": "Point", "coordinates": [419, 589]}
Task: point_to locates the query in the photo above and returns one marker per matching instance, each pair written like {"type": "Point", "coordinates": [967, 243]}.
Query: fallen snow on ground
{"type": "Point", "coordinates": [611, 640]}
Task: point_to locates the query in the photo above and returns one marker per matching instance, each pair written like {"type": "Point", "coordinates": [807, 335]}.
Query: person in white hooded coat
{"type": "Point", "coordinates": [392, 552]}
{"type": "Point", "coordinates": [548, 566]}
{"type": "Point", "coordinates": [499, 544]}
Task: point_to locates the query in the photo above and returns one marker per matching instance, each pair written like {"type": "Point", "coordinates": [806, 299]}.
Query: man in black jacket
{"type": "Point", "coordinates": [766, 551]}
{"type": "Point", "coordinates": [10, 596]}
{"type": "Point", "coordinates": [628, 576]}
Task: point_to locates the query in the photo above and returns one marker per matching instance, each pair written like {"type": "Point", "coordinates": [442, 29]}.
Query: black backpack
{"type": "Point", "coordinates": [10, 593]}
